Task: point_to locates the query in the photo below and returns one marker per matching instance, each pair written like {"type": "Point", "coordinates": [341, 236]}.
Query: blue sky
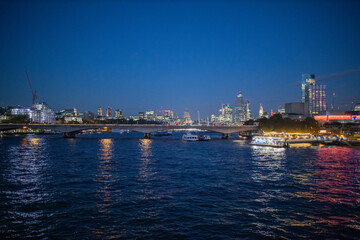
{"type": "Point", "coordinates": [140, 55]}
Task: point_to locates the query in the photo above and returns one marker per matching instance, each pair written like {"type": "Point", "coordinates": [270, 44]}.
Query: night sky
{"type": "Point", "coordinates": [137, 56]}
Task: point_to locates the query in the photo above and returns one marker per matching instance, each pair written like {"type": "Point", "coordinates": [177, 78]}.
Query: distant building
{"type": "Point", "coordinates": [89, 116]}
{"type": "Point", "coordinates": [108, 112]}
{"type": "Point", "coordinates": [306, 80]}
{"type": "Point", "coordinates": [357, 107]}
{"type": "Point", "coordinates": [39, 113]}
{"type": "Point", "coordinates": [225, 113]}
{"type": "Point", "coordinates": [239, 109]}
{"type": "Point", "coordinates": [298, 108]}
{"type": "Point", "coordinates": [186, 117]}
{"type": "Point", "coordinates": [141, 115]}
{"type": "Point", "coordinates": [296, 111]}
{"type": "Point", "coordinates": [338, 116]}
{"type": "Point", "coordinates": [118, 114]}
{"type": "Point", "coordinates": [281, 110]}
{"type": "Point", "coordinates": [316, 98]}
{"type": "Point", "coordinates": [99, 112]}
{"type": "Point", "coordinates": [261, 111]}
{"type": "Point", "coordinates": [247, 110]}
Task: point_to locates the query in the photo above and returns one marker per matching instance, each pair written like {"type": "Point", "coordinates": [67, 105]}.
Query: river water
{"type": "Point", "coordinates": [119, 186]}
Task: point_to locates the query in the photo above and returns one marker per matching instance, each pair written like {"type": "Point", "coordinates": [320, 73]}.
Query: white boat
{"type": "Point", "coordinates": [189, 136]}
{"type": "Point", "coordinates": [204, 138]}
{"type": "Point", "coordinates": [269, 141]}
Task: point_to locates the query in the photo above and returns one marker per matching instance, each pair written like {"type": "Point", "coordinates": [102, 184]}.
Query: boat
{"type": "Point", "coordinates": [204, 138]}
{"type": "Point", "coordinates": [269, 141]}
{"type": "Point", "coordinates": [190, 136]}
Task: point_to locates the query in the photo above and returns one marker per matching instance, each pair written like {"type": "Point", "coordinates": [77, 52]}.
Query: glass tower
{"type": "Point", "coordinates": [239, 111]}
{"type": "Point", "coordinates": [306, 80]}
{"type": "Point", "coordinates": [316, 98]}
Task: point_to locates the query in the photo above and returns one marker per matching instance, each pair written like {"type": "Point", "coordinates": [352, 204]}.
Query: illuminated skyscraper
{"type": "Point", "coordinates": [99, 111]}
{"type": "Point", "coordinates": [108, 112]}
{"type": "Point", "coordinates": [247, 110]}
{"type": "Point", "coordinates": [306, 80]}
{"type": "Point", "coordinates": [261, 111]}
{"type": "Point", "coordinates": [118, 114]}
{"type": "Point", "coordinates": [316, 98]}
{"type": "Point", "coordinates": [239, 111]}
{"type": "Point", "coordinates": [225, 113]}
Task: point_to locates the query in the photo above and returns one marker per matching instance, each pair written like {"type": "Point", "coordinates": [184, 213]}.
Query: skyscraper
{"type": "Point", "coordinates": [261, 111]}
{"type": "Point", "coordinates": [306, 80]}
{"type": "Point", "coordinates": [118, 113]}
{"type": "Point", "coordinates": [316, 98]}
{"type": "Point", "coordinates": [226, 113]}
{"type": "Point", "coordinates": [247, 110]}
{"type": "Point", "coordinates": [108, 112]}
{"type": "Point", "coordinates": [99, 111]}
{"type": "Point", "coordinates": [239, 111]}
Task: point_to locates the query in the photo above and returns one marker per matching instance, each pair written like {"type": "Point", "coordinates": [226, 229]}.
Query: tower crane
{"type": "Point", "coordinates": [34, 97]}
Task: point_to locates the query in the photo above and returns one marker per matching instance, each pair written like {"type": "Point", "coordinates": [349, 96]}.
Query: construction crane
{"type": "Point", "coordinates": [34, 97]}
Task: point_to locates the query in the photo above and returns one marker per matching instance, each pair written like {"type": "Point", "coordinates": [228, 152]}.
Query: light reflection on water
{"type": "Point", "coordinates": [27, 175]}
{"type": "Point", "coordinates": [159, 189]}
{"type": "Point", "coordinates": [268, 162]}
{"type": "Point", "coordinates": [104, 175]}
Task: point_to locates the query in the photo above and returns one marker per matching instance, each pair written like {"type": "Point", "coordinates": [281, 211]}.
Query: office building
{"type": "Point", "coordinates": [247, 110]}
{"type": "Point", "coordinates": [261, 111]}
{"type": "Point", "coordinates": [118, 114]}
{"type": "Point", "coordinates": [225, 115]}
{"type": "Point", "coordinates": [315, 96]}
{"type": "Point", "coordinates": [306, 80]}
{"type": "Point", "coordinates": [108, 112]}
{"type": "Point", "coordinates": [38, 113]}
{"type": "Point", "coordinates": [239, 109]}
{"type": "Point", "coordinates": [99, 112]}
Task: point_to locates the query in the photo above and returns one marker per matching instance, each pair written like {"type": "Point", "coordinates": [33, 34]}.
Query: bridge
{"type": "Point", "coordinates": [70, 130]}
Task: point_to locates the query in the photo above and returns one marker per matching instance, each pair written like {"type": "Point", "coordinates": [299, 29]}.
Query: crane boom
{"type": "Point", "coordinates": [34, 97]}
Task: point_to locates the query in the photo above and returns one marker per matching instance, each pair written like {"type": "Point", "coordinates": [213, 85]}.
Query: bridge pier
{"type": "Point", "coordinates": [225, 136]}
{"type": "Point", "coordinates": [147, 135]}
{"type": "Point", "coordinates": [69, 134]}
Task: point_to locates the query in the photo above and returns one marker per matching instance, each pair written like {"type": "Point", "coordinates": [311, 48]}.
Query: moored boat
{"type": "Point", "coordinates": [189, 136]}
{"type": "Point", "coordinates": [204, 138]}
{"type": "Point", "coordinates": [269, 141]}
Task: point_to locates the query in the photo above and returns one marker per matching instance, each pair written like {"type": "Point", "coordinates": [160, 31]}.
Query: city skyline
{"type": "Point", "coordinates": [137, 57]}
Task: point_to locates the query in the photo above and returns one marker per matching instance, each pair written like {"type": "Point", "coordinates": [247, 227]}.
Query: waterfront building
{"type": "Point", "coordinates": [99, 112]}
{"type": "Point", "coordinates": [38, 113]}
{"type": "Point", "coordinates": [338, 116]}
{"type": "Point", "coordinates": [296, 110]}
{"type": "Point", "coordinates": [141, 115]}
{"type": "Point", "coordinates": [315, 96]}
{"type": "Point", "coordinates": [261, 111]}
{"type": "Point", "coordinates": [240, 108]}
{"type": "Point", "coordinates": [108, 112]}
{"type": "Point", "coordinates": [306, 80]}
